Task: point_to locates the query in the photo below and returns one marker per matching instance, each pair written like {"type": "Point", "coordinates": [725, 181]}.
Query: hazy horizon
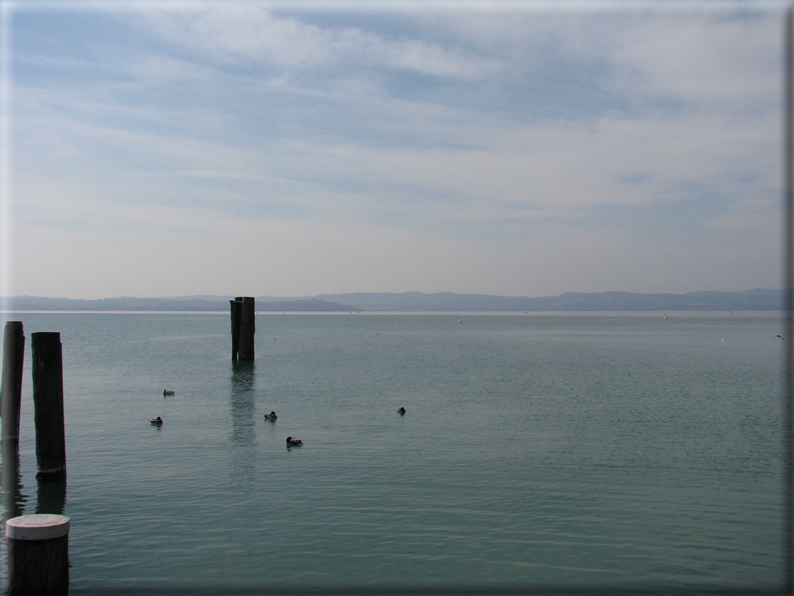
{"type": "Point", "coordinates": [500, 148]}
{"type": "Point", "coordinates": [280, 297]}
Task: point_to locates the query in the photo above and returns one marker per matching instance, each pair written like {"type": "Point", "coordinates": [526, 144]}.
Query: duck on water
{"type": "Point", "coordinates": [294, 442]}
{"type": "Point", "coordinates": [272, 416]}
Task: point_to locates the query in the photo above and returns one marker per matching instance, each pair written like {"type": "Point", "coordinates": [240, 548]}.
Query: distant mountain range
{"type": "Point", "coordinates": [417, 301]}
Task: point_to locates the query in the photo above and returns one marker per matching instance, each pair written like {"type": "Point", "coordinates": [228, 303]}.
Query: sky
{"type": "Point", "coordinates": [297, 149]}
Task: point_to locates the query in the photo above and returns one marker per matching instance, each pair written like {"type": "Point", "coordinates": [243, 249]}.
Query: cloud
{"type": "Point", "coordinates": [244, 34]}
{"type": "Point", "coordinates": [702, 60]}
{"type": "Point", "coordinates": [493, 167]}
{"type": "Point", "coordinates": [459, 146]}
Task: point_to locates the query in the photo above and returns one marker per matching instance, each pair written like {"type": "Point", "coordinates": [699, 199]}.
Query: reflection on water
{"type": "Point", "coordinates": [13, 498]}
{"type": "Point", "coordinates": [51, 497]}
{"type": "Point", "coordinates": [243, 412]}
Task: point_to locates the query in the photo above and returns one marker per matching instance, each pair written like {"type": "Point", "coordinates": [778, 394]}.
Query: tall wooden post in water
{"type": "Point", "coordinates": [247, 329]}
{"type": "Point", "coordinates": [10, 400]}
{"type": "Point", "coordinates": [243, 328]}
{"type": "Point", "coordinates": [48, 406]}
{"type": "Point", "coordinates": [11, 395]}
{"type": "Point", "coordinates": [236, 306]}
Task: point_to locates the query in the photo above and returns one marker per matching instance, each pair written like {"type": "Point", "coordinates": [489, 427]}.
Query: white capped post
{"type": "Point", "coordinates": [38, 554]}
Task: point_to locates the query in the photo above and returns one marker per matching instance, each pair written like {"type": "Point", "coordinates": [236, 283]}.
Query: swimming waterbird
{"type": "Point", "coordinates": [167, 392]}
{"type": "Point", "coordinates": [272, 416]}
{"type": "Point", "coordinates": [401, 411]}
{"type": "Point", "coordinates": [294, 442]}
{"type": "Point", "coordinates": [157, 421]}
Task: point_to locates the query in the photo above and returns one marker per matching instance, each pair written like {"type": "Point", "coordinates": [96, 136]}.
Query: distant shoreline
{"type": "Point", "coordinates": [6, 314]}
{"type": "Point", "coordinates": [749, 300]}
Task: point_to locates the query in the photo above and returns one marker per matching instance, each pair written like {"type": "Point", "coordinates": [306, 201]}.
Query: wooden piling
{"type": "Point", "coordinates": [236, 306]}
{"type": "Point", "coordinates": [247, 329]}
{"type": "Point", "coordinates": [243, 327]}
{"type": "Point", "coordinates": [11, 394]}
{"type": "Point", "coordinates": [38, 555]}
{"type": "Point", "coordinates": [10, 481]}
{"type": "Point", "coordinates": [48, 406]}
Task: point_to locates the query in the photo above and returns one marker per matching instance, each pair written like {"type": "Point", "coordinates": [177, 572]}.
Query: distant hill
{"type": "Point", "coordinates": [570, 301]}
{"type": "Point", "coordinates": [443, 301]}
{"type": "Point", "coordinates": [203, 303]}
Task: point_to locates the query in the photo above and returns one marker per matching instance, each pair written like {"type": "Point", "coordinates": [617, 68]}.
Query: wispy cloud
{"type": "Point", "coordinates": [478, 135]}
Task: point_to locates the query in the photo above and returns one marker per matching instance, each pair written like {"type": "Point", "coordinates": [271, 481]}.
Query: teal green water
{"type": "Point", "coordinates": [580, 450]}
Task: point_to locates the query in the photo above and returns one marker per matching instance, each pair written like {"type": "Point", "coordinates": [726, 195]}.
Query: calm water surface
{"type": "Point", "coordinates": [582, 450]}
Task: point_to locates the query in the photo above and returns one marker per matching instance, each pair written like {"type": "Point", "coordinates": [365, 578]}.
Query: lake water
{"type": "Point", "coordinates": [563, 451]}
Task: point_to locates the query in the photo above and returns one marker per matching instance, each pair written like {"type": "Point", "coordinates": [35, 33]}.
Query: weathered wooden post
{"type": "Point", "coordinates": [10, 400]}
{"type": "Point", "coordinates": [247, 329]}
{"type": "Point", "coordinates": [38, 555]}
{"type": "Point", "coordinates": [13, 499]}
{"type": "Point", "coordinates": [236, 306]}
{"type": "Point", "coordinates": [11, 395]}
{"type": "Point", "coordinates": [243, 328]}
{"type": "Point", "coordinates": [48, 406]}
